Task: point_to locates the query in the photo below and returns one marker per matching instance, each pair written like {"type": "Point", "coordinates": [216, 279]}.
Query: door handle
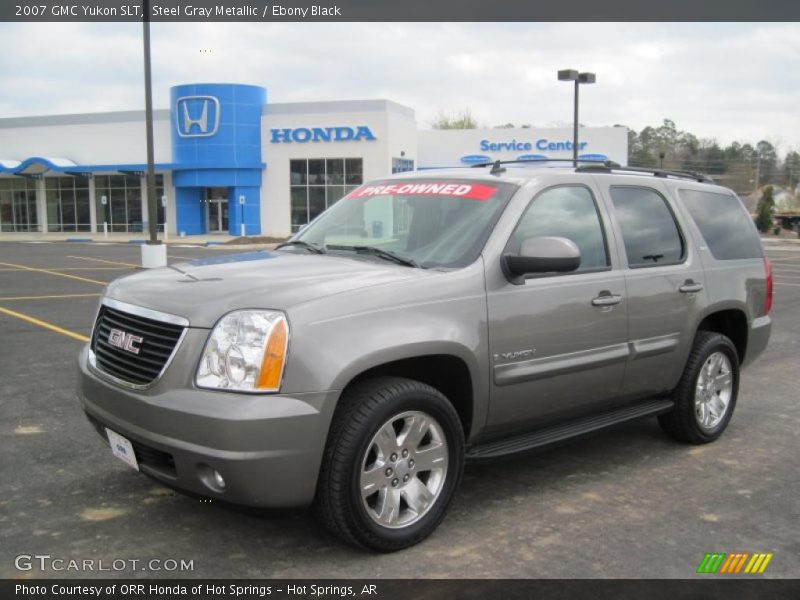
{"type": "Point", "coordinates": [606, 299]}
{"type": "Point", "coordinates": [690, 287]}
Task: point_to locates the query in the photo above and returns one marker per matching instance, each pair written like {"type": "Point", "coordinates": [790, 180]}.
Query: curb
{"type": "Point", "coordinates": [776, 241]}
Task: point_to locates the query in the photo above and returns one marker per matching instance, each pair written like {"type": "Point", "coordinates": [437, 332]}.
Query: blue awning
{"type": "Point", "coordinates": [38, 165]}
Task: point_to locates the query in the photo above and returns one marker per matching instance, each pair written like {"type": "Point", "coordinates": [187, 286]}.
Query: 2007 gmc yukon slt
{"type": "Point", "coordinates": [424, 320]}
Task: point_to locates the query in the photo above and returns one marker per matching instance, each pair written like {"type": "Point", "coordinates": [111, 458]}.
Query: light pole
{"type": "Point", "coordinates": [154, 253]}
{"type": "Point", "coordinates": [578, 78]}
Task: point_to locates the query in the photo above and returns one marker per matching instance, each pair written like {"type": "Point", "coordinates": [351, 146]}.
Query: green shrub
{"type": "Point", "coordinates": [764, 217]}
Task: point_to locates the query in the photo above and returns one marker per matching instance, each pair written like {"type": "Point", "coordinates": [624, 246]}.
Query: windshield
{"type": "Point", "coordinates": [433, 223]}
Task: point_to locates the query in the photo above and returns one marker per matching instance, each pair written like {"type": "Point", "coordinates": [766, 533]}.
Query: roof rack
{"type": "Point", "coordinates": [608, 166]}
{"type": "Point", "coordinates": [599, 166]}
{"type": "Point", "coordinates": [495, 164]}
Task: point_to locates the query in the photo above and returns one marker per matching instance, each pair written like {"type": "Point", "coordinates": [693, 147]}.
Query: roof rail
{"type": "Point", "coordinates": [600, 166]}
{"type": "Point", "coordinates": [610, 166]}
{"type": "Point", "coordinates": [495, 163]}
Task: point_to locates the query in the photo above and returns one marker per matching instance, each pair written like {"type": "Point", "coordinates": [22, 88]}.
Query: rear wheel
{"type": "Point", "coordinates": [393, 461]}
{"type": "Point", "coordinates": [706, 395]}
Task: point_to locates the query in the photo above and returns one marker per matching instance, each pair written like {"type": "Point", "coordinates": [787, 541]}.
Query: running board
{"type": "Point", "coordinates": [558, 433]}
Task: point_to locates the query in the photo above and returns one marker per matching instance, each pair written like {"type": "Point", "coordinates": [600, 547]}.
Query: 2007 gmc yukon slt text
{"type": "Point", "coordinates": [424, 320]}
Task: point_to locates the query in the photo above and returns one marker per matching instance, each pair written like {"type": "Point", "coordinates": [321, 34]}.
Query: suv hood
{"type": "Point", "coordinates": [203, 290]}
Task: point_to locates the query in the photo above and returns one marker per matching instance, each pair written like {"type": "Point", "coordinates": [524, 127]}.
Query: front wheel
{"type": "Point", "coordinates": [394, 458]}
{"type": "Point", "coordinates": [706, 394]}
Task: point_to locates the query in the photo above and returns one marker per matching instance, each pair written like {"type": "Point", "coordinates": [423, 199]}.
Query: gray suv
{"type": "Point", "coordinates": [425, 320]}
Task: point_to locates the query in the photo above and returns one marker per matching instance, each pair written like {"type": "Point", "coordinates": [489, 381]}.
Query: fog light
{"type": "Point", "coordinates": [219, 480]}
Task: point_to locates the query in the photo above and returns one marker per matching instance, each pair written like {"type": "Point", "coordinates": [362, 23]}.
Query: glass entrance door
{"type": "Point", "coordinates": [217, 209]}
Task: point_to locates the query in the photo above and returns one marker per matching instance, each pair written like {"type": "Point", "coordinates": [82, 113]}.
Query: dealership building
{"type": "Point", "coordinates": [228, 161]}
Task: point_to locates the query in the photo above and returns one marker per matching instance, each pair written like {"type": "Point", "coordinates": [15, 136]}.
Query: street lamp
{"type": "Point", "coordinates": [154, 253]}
{"type": "Point", "coordinates": [578, 78]}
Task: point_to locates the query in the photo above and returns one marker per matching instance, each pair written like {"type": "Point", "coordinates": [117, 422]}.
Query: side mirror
{"type": "Point", "coordinates": [543, 255]}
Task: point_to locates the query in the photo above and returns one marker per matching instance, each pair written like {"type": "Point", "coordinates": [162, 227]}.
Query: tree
{"type": "Point", "coordinates": [457, 120]}
{"type": "Point", "coordinates": [742, 166]}
{"type": "Point", "coordinates": [768, 159]}
{"type": "Point", "coordinates": [791, 169]}
{"type": "Point", "coordinates": [766, 208]}
{"type": "Point", "coordinates": [642, 158]}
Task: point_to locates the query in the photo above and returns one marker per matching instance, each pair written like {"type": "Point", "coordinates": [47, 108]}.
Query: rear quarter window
{"type": "Point", "coordinates": [725, 225]}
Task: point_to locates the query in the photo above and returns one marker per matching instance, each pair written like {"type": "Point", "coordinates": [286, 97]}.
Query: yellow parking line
{"type": "Point", "coordinates": [44, 324]}
{"type": "Point", "coordinates": [110, 262]}
{"type": "Point", "coordinates": [79, 269]}
{"type": "Point", "coordinates": [49, 272]}
{"type": "Point", "coordinates": [50, 297]}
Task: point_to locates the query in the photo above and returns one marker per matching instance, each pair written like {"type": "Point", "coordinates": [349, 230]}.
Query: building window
{"type": "Point", "coordinates": [402, 165]}
{"type": "Point", "coordinates": [67, 203]}
{"type": "Point", "coordinates": [123, 208]}
{"type": "Point", "coordinates": [318, 183]}
{"type": "Point", "coordinates": [18, 211]}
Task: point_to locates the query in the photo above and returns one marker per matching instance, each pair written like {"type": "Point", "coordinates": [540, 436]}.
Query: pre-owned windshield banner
{"type": "Point", "coordinates": [471, 191]}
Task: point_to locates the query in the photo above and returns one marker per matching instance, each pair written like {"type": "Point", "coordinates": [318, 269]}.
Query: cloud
{"type": "Point", "coordinates": [724, 81]}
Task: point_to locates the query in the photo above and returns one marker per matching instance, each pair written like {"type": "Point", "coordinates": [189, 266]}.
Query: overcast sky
{"type": "Point", "coordinates": [723, 81]}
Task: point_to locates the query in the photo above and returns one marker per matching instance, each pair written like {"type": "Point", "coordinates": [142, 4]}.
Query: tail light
{"type": "Point", "coordinates": [768, 299]}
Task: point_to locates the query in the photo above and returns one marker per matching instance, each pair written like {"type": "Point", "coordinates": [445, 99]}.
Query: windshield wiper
{"type": "Point", "coordinates": [381, 253]}
{"type": "Point", "coordinates": [316, 248]}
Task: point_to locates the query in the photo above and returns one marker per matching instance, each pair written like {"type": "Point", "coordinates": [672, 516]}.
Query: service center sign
{"type": "Point", "coordinates": [471, 191]}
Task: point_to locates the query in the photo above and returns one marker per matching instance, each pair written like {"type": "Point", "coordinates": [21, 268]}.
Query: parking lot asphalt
{"type": "Point", "coordinates": [628, 502]}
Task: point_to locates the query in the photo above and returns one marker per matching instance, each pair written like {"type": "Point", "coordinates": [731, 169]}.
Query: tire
{"type": "Point", "coordinates": [394, 512]}
{"type": "Point", "coordinates": [712, 354]}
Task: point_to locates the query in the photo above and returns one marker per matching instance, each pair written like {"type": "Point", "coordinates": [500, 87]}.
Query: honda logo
{"type": "Point", "coordinates": [125, 341]}
{"type": "Point", "coordinates": [197, 116]}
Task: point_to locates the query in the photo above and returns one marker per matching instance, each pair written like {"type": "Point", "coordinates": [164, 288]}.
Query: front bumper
{"type": "Point", "coordinates": [268, 448]}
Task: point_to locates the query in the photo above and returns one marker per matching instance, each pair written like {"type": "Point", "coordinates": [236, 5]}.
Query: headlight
{"type": "Point", "coordinates": [245, 352]}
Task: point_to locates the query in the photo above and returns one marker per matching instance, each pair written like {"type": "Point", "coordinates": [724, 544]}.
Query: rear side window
{"type": "Point", "coordinates": [726, 227]}
{"type": "Point", "coordinates": [649, 230]}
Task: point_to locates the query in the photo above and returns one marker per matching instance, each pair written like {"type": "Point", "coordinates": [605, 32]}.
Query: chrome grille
{"type": "Point", "coordinates": [142, 364]}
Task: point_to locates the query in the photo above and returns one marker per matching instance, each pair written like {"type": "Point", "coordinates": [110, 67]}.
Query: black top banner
{"type": "Point", "coordinates": [400, 10]}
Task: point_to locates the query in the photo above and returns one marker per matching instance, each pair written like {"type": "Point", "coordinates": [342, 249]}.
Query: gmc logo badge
{"type": "Point", "coordinates": [125, 341]}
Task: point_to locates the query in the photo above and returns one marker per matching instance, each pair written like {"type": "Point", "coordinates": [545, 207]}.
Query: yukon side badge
{"type": "Point", "coordinates": [515, 355]}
